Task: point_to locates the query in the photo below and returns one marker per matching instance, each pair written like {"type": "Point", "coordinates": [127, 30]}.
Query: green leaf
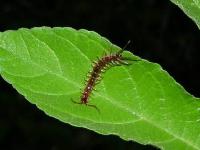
{"type": "Point", "coordinates": [139, 102]}
{"type": "Point", "coordinates": [191, 8]}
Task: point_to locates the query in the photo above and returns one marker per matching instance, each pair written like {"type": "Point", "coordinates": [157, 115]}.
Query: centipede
{"type": "Point", "coordinates": [94, 76]}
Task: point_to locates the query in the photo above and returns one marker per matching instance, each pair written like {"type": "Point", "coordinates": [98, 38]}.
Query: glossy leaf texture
{"type": "Point", "coordinates": [191, 8]}
{"type": "Point", "coordinates": [139, 102]}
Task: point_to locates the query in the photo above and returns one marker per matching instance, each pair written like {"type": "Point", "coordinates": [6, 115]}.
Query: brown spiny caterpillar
{"type": "Point", "coordinates": [98, 67]}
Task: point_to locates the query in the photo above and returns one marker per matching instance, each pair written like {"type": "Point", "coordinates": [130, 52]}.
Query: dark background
{"type": "Point", "coordinates": [159, 31]}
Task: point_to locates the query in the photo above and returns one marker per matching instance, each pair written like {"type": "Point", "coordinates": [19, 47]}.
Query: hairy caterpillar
{"type": "Point", "coordinates": [98, 67]}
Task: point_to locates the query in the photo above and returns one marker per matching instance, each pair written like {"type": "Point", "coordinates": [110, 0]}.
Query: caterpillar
{"type": "Point", "coordinates": [100, 66]}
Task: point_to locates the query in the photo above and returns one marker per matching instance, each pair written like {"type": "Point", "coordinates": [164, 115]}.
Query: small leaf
{"type": "Point", "coordinates": [191, 8]}
{"type": "Point", "coordinates": [139, 102]}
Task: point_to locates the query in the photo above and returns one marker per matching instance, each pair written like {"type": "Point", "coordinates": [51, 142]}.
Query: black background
{"type": "Point", "coordinates": [159, 31]}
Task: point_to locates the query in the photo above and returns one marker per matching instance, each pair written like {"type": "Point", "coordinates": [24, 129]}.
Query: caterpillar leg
{"type": "Point", "coordinates": [86, 104]}
{"type": "Point", "coordinates": [93, 106]}
{"type": "Point", "coordinates": [124, 62]}
{"type": "Point", "coordinates": [75, 102]}
{"type": "Point", "coordinates": [129, 59]}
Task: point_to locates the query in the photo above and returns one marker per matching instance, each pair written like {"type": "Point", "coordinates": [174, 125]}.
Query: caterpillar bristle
{"type": "Point", "coordinates": [123, 62]}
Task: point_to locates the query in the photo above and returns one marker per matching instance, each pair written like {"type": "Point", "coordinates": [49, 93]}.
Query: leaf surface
{"type": "Point", "coordinates": [139, 102]}
{"type": "Point", "coordinates": [191, 8]}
